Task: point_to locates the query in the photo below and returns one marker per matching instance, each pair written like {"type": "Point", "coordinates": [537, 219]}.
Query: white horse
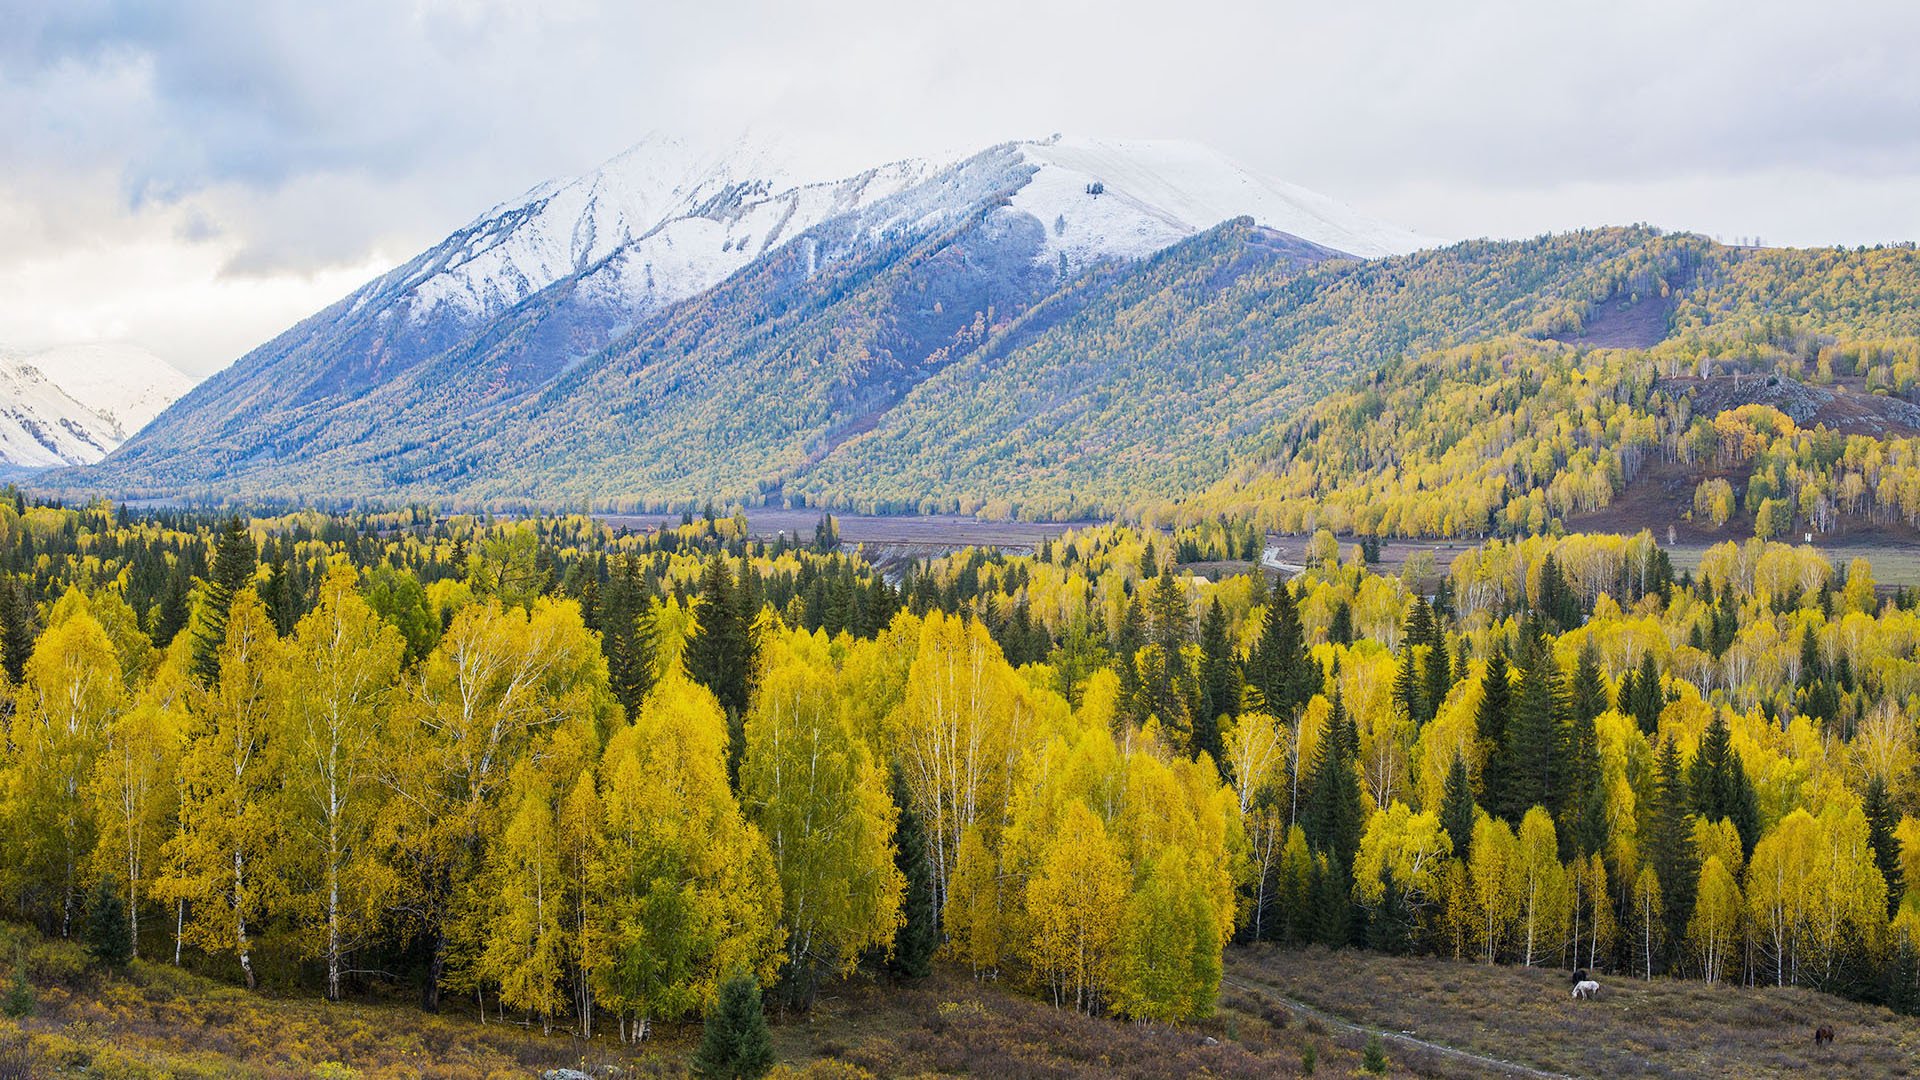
{"type": "Point", "coordinates": [1585, 988]}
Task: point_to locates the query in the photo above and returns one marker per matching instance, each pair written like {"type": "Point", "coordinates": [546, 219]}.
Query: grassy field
{"type": "Point", "coordinates": [153, 1020]}
{"type": "Point", "coordinates": [1632, 1028]}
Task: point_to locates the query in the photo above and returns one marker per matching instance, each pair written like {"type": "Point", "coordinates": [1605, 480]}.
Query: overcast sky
{"type": "Point", "coordinates": [195, 176]}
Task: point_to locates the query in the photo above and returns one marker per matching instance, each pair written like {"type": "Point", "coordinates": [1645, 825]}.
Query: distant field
{"type": "Point", "coordinates": [1894, 563]}
{"type": "Point", "coordinates": [1663, 1028]}
{"type": "Point", "coordinates": [932, 531]}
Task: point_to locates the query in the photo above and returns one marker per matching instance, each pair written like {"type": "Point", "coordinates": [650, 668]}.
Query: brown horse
{"type": "Point", "coordinates": [1823, 1035]}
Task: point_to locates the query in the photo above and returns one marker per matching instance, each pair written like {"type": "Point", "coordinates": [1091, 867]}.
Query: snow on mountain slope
{"type": "Point", "coordinates": [126, 384]}
{"type": "Point", "coordinates": [668, 220]}
{"type": "Point", "coordinates": [1152, 194]}
{"type": "Point", "coordinates": [73, 404]}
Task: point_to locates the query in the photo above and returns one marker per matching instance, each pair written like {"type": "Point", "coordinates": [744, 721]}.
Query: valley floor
{"type": "Point", "coordinates": [1526, 1016]}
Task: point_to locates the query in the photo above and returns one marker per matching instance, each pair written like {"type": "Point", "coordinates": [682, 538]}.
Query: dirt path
{"type": "Point", "coordinates": [1481, 1062]}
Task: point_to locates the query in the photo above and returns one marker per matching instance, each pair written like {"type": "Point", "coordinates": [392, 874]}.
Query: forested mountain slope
{"type": "Point", "coordinates": [1781, 402]}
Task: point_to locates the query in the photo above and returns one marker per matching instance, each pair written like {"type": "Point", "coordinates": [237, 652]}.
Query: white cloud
{"type": "Point", "coordinates": [197, 175]}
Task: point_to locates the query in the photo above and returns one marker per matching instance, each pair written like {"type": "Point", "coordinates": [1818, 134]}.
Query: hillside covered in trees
{"type": "Point", "coordinates": [578, 776]}
{"type": "Point", "coordinates": [1238, 372]}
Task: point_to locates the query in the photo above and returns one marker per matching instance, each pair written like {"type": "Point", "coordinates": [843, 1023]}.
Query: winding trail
{"type": "Point", "coordinates": [1490, 1065]}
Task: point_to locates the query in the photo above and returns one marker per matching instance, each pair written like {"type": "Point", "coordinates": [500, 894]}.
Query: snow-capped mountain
{"type": "Point", "coordinates": [1151, 194]}
{"type": "Point", "coordinates": [673, 276]}
{"type": "Point", "coordinates": [73, 404]}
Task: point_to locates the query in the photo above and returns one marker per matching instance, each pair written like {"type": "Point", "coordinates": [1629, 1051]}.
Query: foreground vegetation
{"type": "Point", "coordinates": [572, 777]}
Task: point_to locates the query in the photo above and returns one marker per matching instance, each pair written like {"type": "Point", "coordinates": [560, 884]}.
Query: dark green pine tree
{"type": "Point", "coordinates": [627, 633]}
{"type": "Point", "coordinates": [917, 938]}
{"type": "Point", "coordinates": [1219, 680]}
{"type": "Point", "coordinates": [109, 931]}
{"type": "Point", "coordinates": [1408, 690]}
{"type": "Point", "coordinates": [1648, 698]}
{"type": "Point", "coordinates": [1439, 672]}
{"type": "Point", "coordinates": [1490, 721]}
{"type": "Point", "coordinates": [1668, 826]}
{"type": "Point", "coordinates": [1457, 808]}
{"type": "Point", "coordinates": [1583, 816]}
{"type": "Point", "coordinates": [1588, 695]}
{"type": "Point", "coordinates": [1340, 628]}
{"type": "Point", "coordinates": [1332, 818]}
{"type": "Point", "coordinates": [734, 1042]}
{"type": "Point", "coordinates": [1170, 616]}
{"type": "Point", "coordinates": [16, 627]}
{"type": "Point", "coordinates": [1881, 820]}
{"type": "Point", "coordinates": [718, 653]}
{"type": "Point", "coordinates": [1536, 737]}
{"type": "Point", "coordinates": [1390, 925]}
{"type": "Point", "coordinates": [1720, 786]}
{"type": "Point", "coordinates": [1331, 901]}
{"type": "Point", "coordinates": [1280, 665]}
{"type": "Point", "coordinates": [1128, 638]}
{"type": "Point", "coordinates": [1903, 978]}
{"type": "Point", "coordinates": [278, 592]}
{"type": "Point", "coordinates": [171, 614]}
{"type": "Point", "coordinates": [234, 560]}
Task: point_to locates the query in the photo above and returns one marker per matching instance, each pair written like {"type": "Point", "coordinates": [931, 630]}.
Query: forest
{"type": "Point", "coordinates": [580, 777]}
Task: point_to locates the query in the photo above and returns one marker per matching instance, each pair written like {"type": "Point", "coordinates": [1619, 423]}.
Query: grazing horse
{"type": "Point", "coordinates": [1823, 1034]}
{"type": "Point", "coordinates": [1585, 988]}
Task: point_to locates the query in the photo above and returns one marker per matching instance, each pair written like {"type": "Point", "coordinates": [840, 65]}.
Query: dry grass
{"type": "Point", "coordinates": [1633, 1028]}
{"type": "Point", "coordinates": [154, 1020]}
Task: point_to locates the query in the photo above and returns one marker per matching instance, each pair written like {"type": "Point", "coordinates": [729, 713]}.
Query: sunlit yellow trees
{"type": "Point", "coordinates": [229, 828]}
{"type": "Point", "coordinates": [71, 695]}
{"type": "Point", "coordinates": [688, 887]}
{"type": "Point", "coordinates": [135, 786]}
{"type": "Point", "coordinates": [817, 795]}
{"type": "Point", "coordinates": [1714, 930]}
{"type": "Point", "coordinates": [344, 666]}
{"type": "Point", "coordinates": [1075, 903]}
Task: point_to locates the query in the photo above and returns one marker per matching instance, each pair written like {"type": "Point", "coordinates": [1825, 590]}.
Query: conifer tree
{"type": "Point", "coordinates": [1332, 818]}
{"type": "Point", "coordinates": [1457, 808]}
{"type": "Point", "coordinates": [918, 937]}
{"type": "Point", "coordinates": [1720, 787]}
{"type": "Point", "coordinates": [1647, 697]}
{"type": "Point", "coordinates": [734, 1043]}
{"type": "Point", "coordinates": [1439, 673]}
{"type": "Point", "coordinates": [1535, 739]}
{"type": "Point", "coordinates": [1589, 690]}
{"type": "Point", "coordinates": [109, 935]}
{"type": "Point", "coordinates": [1490, 722]}
{"type": "Point", "coordinates": [234, 559]}
{"type": "Point", "coordinates": [1219, 680]}
{"type": "Point", "coordinates": [1881, 820]}
{"type": "Point", "coordinates": [719, 653]}
{"type": "Point", "coordinates": [1667, 825]}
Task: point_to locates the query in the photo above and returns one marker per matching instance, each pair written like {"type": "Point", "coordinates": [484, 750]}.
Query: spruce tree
{"type": "Point", "coordinates": [1457, 808]}
{"type": "Point", "coordinates": [1490, 721]}
{"type": "Point", "coordinates": [1279, 664]}
{"type": "Point", "coordinates": [734, 1043]}
{"type": "Point", "coordinates": [16, 627]}
{"type": "Point", "coordinates": [1340, 628]}
{"type": "Point", "coordinates": [1648, 697]}
{"type": "Point", "coordinates": [718, 654]}
{"type": "Point", "coordinates": [917, 938]}
{"type": "Point", "coordinates": [1588, 695]}
{"type": "Point", "coordinates": [1535, 740]}
{"type": "Point", "coordinates": [1439, 673]}
{"type": "Point", "coordinates": [1886, 847]}
{"type": "Point", "coordinates": [234, 559]}
{"type": "Point", "coordinates": [1668, 825]}
{"type": "Point", "coordinates": [109, 931]}
{"type": "Point", "coordinates": [1332, 820]}
{"type": "Point", "coordinates": [1720, 786]}
{"type": "Point", "coordinates": [1219, 680]}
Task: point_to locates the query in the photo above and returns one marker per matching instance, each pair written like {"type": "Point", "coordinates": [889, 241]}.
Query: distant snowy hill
{"type": "Point", "coordinates": [73, 404]}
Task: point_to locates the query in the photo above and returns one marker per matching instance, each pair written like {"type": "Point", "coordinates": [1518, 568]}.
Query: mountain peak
{"type": "Point", "coordinates": [1135, 196]}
